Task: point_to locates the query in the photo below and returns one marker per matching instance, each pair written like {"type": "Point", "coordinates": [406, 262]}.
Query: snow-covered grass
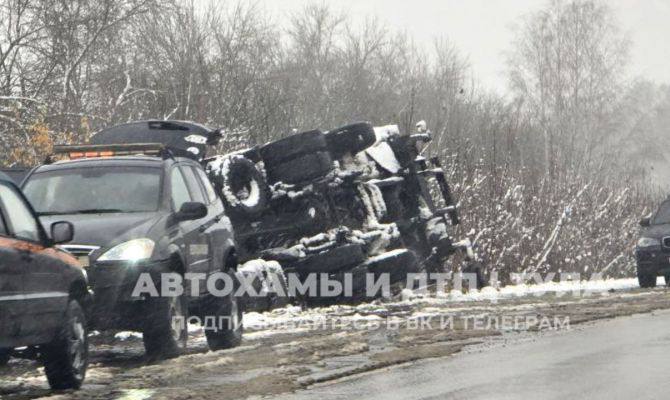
{"type": "Point", "coordinates": [519, 222]}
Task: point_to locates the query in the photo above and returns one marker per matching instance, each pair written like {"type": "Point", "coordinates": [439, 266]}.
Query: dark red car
{"type": "Point", "coordinates": [43, 292]}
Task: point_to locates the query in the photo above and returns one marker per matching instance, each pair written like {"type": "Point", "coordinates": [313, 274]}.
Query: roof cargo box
{"type": "Point", "coordinates": [185, 139]}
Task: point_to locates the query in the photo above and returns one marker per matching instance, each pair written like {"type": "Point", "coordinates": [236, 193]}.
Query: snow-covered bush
{"type": "Point", "coordinates": [583, 224]}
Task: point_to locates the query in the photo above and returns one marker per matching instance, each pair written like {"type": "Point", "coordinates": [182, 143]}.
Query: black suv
{"type": "Point", "coordinates": [43, 292]}
{"type": "Point", "coordinates": [652, 251]}
{"type": "Point", "coordinates": [141, 209]}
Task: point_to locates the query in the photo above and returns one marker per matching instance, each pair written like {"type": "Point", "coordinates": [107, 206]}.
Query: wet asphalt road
{"type": "Point", "coordinates": [625, 358]}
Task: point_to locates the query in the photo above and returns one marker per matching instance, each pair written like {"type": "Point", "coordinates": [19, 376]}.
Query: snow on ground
{"type": "Point", "coordinates": [294, 319]}
{"type": "Point", "coordinates": [127, 335]}
{"type": "Point", "coordinates": [130, 335]}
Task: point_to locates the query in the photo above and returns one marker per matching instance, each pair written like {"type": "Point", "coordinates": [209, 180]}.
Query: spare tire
{"type": "Point", "coordinates": [301, 169]}
{"type": "Point", "coordinates": [240, 185]}
{"type": "Point", "coordinates": [292, 147]}
{"type": "Point", "coordinates": [352, 139]}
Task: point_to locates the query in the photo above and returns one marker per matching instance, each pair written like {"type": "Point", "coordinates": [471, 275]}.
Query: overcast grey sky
{"type": "Point", "coordinates": [481, 28]}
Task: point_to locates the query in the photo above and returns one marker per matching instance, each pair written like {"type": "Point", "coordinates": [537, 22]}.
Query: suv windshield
{"type": "Point", "coordinates": [663, 214]}
{"type": "Point", "coordinates": [95, 190]}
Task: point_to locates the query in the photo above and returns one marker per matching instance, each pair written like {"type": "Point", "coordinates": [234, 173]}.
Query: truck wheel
{"type": "Point", "coordinates": [358, 281]}
{"type": "Point", "coordinates": [646, 281]}
{"type": "Point", "coordinates": [352, 139]}
{"type": "Point", "coordinates": [5, 355]}
{"type": "Point", "coordinates": [332, 260]}
{"type": "Point", "coordinates": [477, 269]}
{"type": "Point", "coordinates": [241, 186]}
{"type": "Point", "coordinates": [230, 334]}
{"type": "Point", "coordinates": [165, 330]}
{"type": "Point", "coordinates": [291, 147]}
{"type": "Point", "coordinates": [66, 357]}
{"type": "Point", "coordinates": [397, 263]}
{"type": "Point", "coordinates": [301, 169]}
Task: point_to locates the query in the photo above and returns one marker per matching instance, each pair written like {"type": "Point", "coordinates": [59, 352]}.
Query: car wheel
{"type": "Point", "coordinates": [301, 169]}
{"type": "Point", "coordinates": [646, 281]}
{"type": "Point", "coordinates": [667, 280]}
{"type": "Point", "coordinates": [241, 186]}
{"type": "Point", "coordinates": [291, 147]}
{"type": "Point", "coordinates": [165, 330]}
{"type": "Point", "coordinates": [66, 357]}
{"type": "Point", "coordinates": [352, 139]}
{"type": "Point", "coordinates": [5, 355]}
{"type": "Point", "coordinates": [229, 334]}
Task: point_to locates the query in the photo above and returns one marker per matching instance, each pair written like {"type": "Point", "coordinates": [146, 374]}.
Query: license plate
{"type": "Point", "coordinates": [84, 261]}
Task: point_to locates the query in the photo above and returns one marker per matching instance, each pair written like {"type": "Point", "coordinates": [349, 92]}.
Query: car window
{"type": "Point", "coordinates": [179, 190]}
{"type": "Point", "coordinates": [211, 194]}
{"type": "Point", "coordinates": [193, 185]}
{"type": "Point", "coordinates": [21, 221]}
{"type": "Point", "coordinates": [83, 189]}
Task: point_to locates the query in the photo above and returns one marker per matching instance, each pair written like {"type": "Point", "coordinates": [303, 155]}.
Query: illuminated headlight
{"type": "Point", "coordinates": [648, 242]}
{"type": "Point", "coordinates": [132, 250]}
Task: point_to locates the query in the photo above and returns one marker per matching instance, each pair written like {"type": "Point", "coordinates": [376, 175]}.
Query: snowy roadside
{"type": "Point", "coordinates": [264, 324]}
{"type": "Point", "coordinates": [290, 348]}
{"type": "Point", "coordinates": [258, 325]}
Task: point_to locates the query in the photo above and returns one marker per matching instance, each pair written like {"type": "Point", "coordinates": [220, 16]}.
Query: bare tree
{"type": "Point", "coordinates": [568, 65]}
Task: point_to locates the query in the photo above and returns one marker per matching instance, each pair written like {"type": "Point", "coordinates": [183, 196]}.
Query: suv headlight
{"type": "Point", "coordinates": [648, 242]}
{"type": "Point", "coordinates": [132, 250]}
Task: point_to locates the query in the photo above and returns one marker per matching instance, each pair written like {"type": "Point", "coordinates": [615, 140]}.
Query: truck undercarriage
{"type": "Point", "coordinates": [357, 200]}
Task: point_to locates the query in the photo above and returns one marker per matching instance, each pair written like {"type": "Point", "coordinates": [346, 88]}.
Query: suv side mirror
{"type": "Point", "coordinates": [62, 232]}
{"type": "Point", "coordinates": [645, 221]}
{"type": "Point", "coordinates": [190, 211]}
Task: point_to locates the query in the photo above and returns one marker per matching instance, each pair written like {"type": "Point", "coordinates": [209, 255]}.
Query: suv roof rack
{"type": "Point", "coordinates": [74, 152]}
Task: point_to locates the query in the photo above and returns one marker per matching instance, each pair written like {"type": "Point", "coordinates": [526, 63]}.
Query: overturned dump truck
{"type": "Point", "coordinates": [355, 200]}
